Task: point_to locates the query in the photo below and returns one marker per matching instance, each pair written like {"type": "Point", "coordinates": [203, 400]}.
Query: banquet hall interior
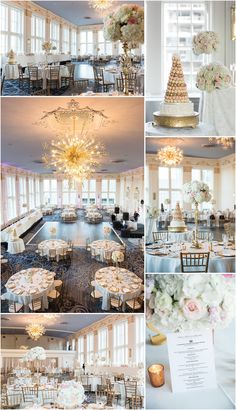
{"type": "Point", "coordinates": [190, 198]}
{"type": "Point", "coordinates": [72, 361]}
{"type": "Point", "coordinates": [59, 48]}
{"type": "Point", "coordinates": [72, 205]}
{"type": "Point", "coordinates": [170, 30]}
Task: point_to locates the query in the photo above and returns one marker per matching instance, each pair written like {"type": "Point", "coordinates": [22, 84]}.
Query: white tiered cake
{"type": "Point", "coordinates": [177, 224]}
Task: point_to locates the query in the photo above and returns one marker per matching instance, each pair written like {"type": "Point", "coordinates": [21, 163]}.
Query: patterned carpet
{"type": "Point", "coordinates": [76, 272]}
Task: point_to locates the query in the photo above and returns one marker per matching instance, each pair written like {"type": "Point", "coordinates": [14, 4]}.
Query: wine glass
{"type": "Point", "coordinates": [210, 236]}
{"type": "Point", "coordinates": [225, 240]}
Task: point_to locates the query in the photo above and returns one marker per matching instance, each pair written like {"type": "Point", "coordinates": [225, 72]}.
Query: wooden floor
{"type": "Point", "coordinates": [77, 232]}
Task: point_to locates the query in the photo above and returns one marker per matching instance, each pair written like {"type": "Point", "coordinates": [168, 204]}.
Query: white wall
{"type": "Point", "coordinates": [227, 183]}
{"type": "Point", "coordinates": [16, 341]}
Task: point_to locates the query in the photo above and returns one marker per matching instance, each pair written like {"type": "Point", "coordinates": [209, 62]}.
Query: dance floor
{"type": "Point", "coordinates": [77, 232]}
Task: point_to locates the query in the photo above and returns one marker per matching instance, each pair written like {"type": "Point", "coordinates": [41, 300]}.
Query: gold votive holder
{"type": "Point", "coordinates": [156, 375]}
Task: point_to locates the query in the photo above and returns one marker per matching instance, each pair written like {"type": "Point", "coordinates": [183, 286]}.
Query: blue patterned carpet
{"type": "Point", "coordinates": [76, 272]}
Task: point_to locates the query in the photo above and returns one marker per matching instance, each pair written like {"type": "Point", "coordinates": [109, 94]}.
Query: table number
{"type": "Point", "coordinates": [191, 358]}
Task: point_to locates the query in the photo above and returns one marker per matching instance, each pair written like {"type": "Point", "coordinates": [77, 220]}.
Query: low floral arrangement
{"type": "Point", "coordinates": [106, 230]}
{"type": "Point", "coordinates": [205, 42]}
{"type": "Point", "coordinates": [117, 256]}
{"type": "Point", "coordinates": [125, 24]}
{"type": "Point", "coordinates": [47, 46]}
{"type": "Point", "coordinates": [212, 77]}
{"type": "Point", "coordinates": [36, 353]}
{"type": "Point", "coordinates": [186, 302]}
{"type": "Point", "coordinates": [70, 394]}
{"type": "Point", "coordinates": [196, 192]}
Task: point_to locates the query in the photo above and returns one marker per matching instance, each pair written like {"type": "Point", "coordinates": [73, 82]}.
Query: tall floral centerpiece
{"type": "Point", "coordinates": [196, 193]}
{"type": "Point", "coordinates": [125, 24]}
{"type": "Point", "coordinates": [214, 76]}
{"type": "Point", "coordinates": [47, 47]}
{"type": "Point", "coordinates": [36, 354]}
{"type": "Point", "coordinates": [205, 42]}
{"type": "Point", "coordinates": [117, 257]}
{"type": "Point", "coordinates": [106, 231]}
{"type": "Point", "coordinates": [191, 302]}
{"type": "Point", "coordinates": [70, 395]}
{"type": "Point", "coordinates": [53, 231]}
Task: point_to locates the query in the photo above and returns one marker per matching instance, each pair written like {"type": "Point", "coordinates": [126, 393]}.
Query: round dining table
{"type": "Point", "coordinates": [102, 249]}
{"type": "Point", "coordinates": [165, 259]}
{"type": "Point", "coordinates": [16, 245]}
{"type": "Point", "coordinates": [30, 284]}
{"type": "Point", "coordinates": [57, 245]}
{"type": "Point", "coordinates": [117, 282]}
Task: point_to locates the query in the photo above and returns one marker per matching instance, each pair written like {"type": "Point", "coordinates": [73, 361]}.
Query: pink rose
{"type": "Point", "coordinates": [193, 309]}
{"type": "Point", "coordinates": [132, 20]}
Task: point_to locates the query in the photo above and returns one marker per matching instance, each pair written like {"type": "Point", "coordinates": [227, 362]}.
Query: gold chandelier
{"type": "Point", "coordinates": [225, 142]}
{"type": "Point", "coordinates": [100, 5]}
{"type": "Point", "coordinates": [76, 158]}
{"type": "Point", "coordinates": [35, 330]}
{"type": "Point", "coordinates": [170, 155]}
{"type": "Point", "coordinates": [76, 153]}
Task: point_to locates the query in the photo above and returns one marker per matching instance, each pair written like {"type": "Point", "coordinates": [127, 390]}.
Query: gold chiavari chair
{"type": "Point", "coordinates": [130, 391]}
{"type": "Point", "coordinates": [194, 262]}
{"type": "Point", "coordinates": [160, 236]}
{"type": "Point", "coordinates": [49, 396]}
{"type": "Point", "coordinates": [136, 402]}
{"type": "Point", "coordinates": [29, 394]}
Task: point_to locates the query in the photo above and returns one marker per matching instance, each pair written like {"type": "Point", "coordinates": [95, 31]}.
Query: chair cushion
{"type": "Point", "coordinates": [116, 303]}
{"type": "Point", "coordinates": [57, 283]}
{"type": "Point", "coordinates": [12, 309]}
{"type": "Point", "coordinates": [54, 294]}
{"type": "Point", "coordinates": [96, 294]}
{"type": "Point", "coordinates": [37, 305]}
{"type": "Point", "coordinates": [133, 305]}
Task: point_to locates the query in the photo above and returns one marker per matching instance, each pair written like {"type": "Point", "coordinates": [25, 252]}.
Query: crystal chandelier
{"type": "Point", "coordinates": [226, 142]}
{"type": "Point", "coordinates": [170, 155]}
{"type": "Point", "coordinates": [100, 5]}
{"type": "Point", "coordinates": [35, 330]}
{"type": "Point", "coordinates": [76, 153]}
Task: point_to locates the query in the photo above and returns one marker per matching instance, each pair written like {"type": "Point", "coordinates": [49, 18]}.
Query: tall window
{"type": "Point", "coordinates": [89, 192]}
{"type": "Point", "coordinates": [170, 185]}
{"type": "Point", "coordinates": [55, 34]}
{"type": "Point", "coordinates": [50, 191]}
{"type": "Point", "coordinates": [207, 176]}
{"type": "Point", "coordinates": [37, 192]}
{"type": "Point", "coordinates": [73, 46]}
{"type": "Point", "coordinates": [181, 20]}
{"type": "Point", "coordinates": [108, 191]}
{"type": "Point", "coordinates": [103, 344]}
{"type": "Point", "coordinates": [11, 197]}
{"type": "Point", "coordinates": [139, 337]}
{"type": "Point", "coordinates": [86, 42]}
{"type": "Point", "coordinates": [90, 348]}
{"type": "Point", "coordinates": [120, 343]}
{"type": "Point", "coordinates": [12, 29]}
{"type": "Point", "coordinates": [31, 194]}
{"type": "Point", "coordinates": [37, 33]}
{"type": "Point", "coordinates": [69, 196]}
{"type": "Point", "coordinates": [105, 47]}
{"type": "Point", "coordinates": [22, 195]}
{"type": "Point", "coordinates": [81, 350]}
{"type": "Point", "coordinates": [65, 39]}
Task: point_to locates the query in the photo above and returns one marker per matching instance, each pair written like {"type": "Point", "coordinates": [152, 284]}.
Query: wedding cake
{"type": "Point", "coordinates": [177, 224]}
{"type": "Point", "coordinates": [176, 110]}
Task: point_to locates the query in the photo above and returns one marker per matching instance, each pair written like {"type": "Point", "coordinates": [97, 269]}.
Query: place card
{"type": "Point", "coordinates": [191, 358]}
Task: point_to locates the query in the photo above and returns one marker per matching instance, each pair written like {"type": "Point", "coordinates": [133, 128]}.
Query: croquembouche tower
{"type": "Point", "coordinates": [177, 110]}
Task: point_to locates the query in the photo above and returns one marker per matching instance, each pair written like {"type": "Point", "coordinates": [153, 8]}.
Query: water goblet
{"type": "Point", "coordinates": [225, 240]}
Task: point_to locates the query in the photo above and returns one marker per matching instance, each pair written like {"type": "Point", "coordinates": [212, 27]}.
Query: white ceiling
{"type": "Point", "coordinates": [192, 147]}
{"type": "Point", "coordinates": [22, 141]}
{"type": "Point", "coordinates": [64, 325]}
{"type": "Point", "coordinates": [76, 11]}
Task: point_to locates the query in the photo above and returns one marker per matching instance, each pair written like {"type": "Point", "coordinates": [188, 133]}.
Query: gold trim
{"type": "Point", "coordinates": [176, 122]}
{"type": "Point", "coordinates": [179, 229]}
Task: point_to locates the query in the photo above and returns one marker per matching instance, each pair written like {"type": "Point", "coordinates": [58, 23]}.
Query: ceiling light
{"type": "Point", "coordinates": [35, 330]}
{"type": "Point", "coordinates": [226, 142]}
{"type": "Point", "coordinates": [100, 5]}
{"type": "Point", "coordinates": [170, 155]}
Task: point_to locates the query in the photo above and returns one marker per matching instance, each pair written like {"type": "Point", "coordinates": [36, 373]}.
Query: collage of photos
{"type": "Point", "coordinates": [118, 127]}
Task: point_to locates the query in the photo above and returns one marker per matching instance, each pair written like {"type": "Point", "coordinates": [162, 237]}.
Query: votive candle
{"type": "Point", "coordinates": [156, 375]}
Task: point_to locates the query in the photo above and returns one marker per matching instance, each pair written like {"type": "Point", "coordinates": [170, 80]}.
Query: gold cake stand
{"type": "Point", "coordinates": [190, 121]}
{"type": "Point", "coordinates": [179, 229]}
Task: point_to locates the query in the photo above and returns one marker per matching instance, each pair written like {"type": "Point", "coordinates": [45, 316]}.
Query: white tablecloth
{"type": "Point", "coordinates": [102, 249]}
{"type": "Point", "coordinates": [202, 129]}
{"type": "Point", "coordinates": [118, 282]}
{"type": "Point", "coordinates": [57, 245]}
{"type": "Point", "coordinates": [219, 111]}
{"type": "Point", "coordinates": [36, 59]}
{"type": "Point", "coordinates": [22, 225]}
{"type": "Point", "coordinates": [165, 264]}
{"type": "Point", "coordinates": [30, 284]}
{"type": "Point", "coordinates": [11, 72]}
{"type": "Point", "coordinates": [16, 246]}
{"type": "Point", "coordinates": [44, 73]}
{"type": "Point", "coordinates": [220, 398]}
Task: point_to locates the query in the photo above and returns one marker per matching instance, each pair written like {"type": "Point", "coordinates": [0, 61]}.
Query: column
{"type": "Point", "coordinates": [27, 34]}
{"type": "Point", "coordinates": [47, 29]}
{"type": "Point", "coordinates": [99, 191]}
{"type": "Point", "coordinates": [153, 185]}
{"type": "Point", "coordinates": [4, 196]}
{"type": "Point", "coordinates": [187, 177]}
{"type": "Point", "coordinates": [79, 194]}
{"type": "Point", "coordinates": [118, 191]}
{"type": "Point", "coordinates": [59, 193]}
{"type": "Point", "coordinates": [17, 196]}
{"type": "Point", "coordinates": [27, 192]}
{"type": "Point", "coordinates": [60, 38]}
{"type": "Point", "coordinates": [131, 338]}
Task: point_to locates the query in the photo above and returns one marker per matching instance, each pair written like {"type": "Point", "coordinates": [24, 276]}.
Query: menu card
{"type": "Point", "coordinates": [191, 358]}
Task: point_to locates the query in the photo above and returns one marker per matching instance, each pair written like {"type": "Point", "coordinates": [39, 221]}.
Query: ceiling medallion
{"type": "Point", "coordinates": [170, 155]}
{"type": "Point", "coordinates": [35, 330]}
{"type": "Point", "coordinates": [226, 142]}
{"type": "Point", "coordinates": [76, 153]}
